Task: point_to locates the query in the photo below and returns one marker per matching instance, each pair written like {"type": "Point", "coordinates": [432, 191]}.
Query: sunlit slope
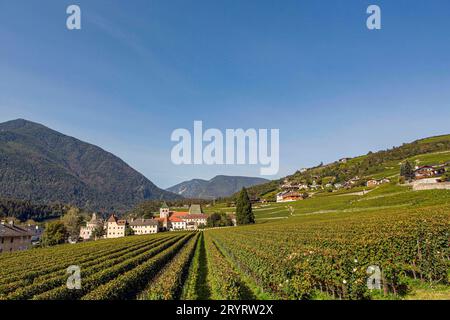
{"type": "Point", "coordinates": [380, 164]}
{"type": "Point", "coordinates": [388, 196]}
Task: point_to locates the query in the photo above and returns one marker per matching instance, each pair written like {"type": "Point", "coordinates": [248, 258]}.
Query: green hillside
{"type": "Point", "coordinates": [385, 197]}
{"type": "Point", "coordinates": [43, 166]}
{"type": "Point", "coordinates": [381, 164]}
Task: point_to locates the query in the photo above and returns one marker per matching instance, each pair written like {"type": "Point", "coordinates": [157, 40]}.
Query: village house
{"type": "Point", "coordinates": [288, 196]}
{"type": "Point", "coordinates": [14, 238]}
{"type": "Point", "coordinates": [280, 196]}
{"type": "Point", "coordinates": [428, 171]}
{"type": "Point", "coordinates": [87, 230]}
{"type": "Point", "coordinates": [286, 186]}
{"type": "Point", "coordinates": [144, 226]}
{"type": "Point", "coordinates": [352, 182]}
{"type": "Point", "coordinates": [233, 219]}
{"type": "Point", "coordinates": [315, 186]}
{"type": "Point", "coordinates": [115, 228]}
{"type": "Point", "coordinates": [373, 182]}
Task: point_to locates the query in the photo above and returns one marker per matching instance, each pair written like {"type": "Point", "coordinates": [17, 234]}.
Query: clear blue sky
{"type": "Point", "coordinates": [140, 69]}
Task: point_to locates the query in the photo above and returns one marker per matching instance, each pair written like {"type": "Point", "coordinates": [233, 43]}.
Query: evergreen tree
{"type": "Point", "coordinates": [244, 213]}
{"type": "Point", "coordinates": [407, 171]}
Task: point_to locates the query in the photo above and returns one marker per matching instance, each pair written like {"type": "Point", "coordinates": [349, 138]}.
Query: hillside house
{"type": "Point", "coordinates": [352, 182]}
{"type": "Point", "coordinates": [425, 172]}
{"type": "Point", "coordinates": [87, 230]}
{"type": "Point", "coordinates": [115, 228]}
{"type": "Point", "coordinates": [14, 238]}
{"type": "Point", "coordinates": [289, 196]}
{"type": "Point", "coordinates": [374, 182]}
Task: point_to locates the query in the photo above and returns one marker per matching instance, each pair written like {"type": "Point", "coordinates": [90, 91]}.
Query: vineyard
{"type": "Point", "coordinates": [316, 253]}
{"type": "Point", "coordinates": [330, 258]}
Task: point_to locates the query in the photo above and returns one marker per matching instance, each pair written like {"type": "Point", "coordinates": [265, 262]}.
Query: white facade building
{"type": "Point", "coordinates": [115, 228]}
{"type": "Point", "coordinates": [144, 226]}
{"type": "Point", "coordinates": [94, 223]}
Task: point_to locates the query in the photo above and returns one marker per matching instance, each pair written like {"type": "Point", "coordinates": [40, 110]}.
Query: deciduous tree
{"type": "Point", "coordinates": [55, 233]}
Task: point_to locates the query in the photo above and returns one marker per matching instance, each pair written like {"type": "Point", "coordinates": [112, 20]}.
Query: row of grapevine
{"type": "Point", "coordinates": [224, 280]}
{"type": "Point", "coordinates": [168, 283]}
{"type": "Point", "coordinates": [98, 264]}
{"type": "Point", "coordinates": [43, 258]}
{"type": "Point", "coordinates": [58, 269]}
{"type": "Point", "coordinates": [105, 272]}
{"type": "Point", "coordinates": [42, 287]}
{"type": "Point", "coordinates": [129, 284]}
{"type": "Point", "coordinates": [191, 287]}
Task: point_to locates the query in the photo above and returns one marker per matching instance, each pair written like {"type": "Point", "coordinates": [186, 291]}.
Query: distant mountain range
{"type": "Point", "coordinates": [218, 187]}
{"type": "Point", "coordinates": [43, 166]}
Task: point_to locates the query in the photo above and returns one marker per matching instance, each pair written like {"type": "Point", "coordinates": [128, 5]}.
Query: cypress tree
{"type": "Point", "coordinates": [244, 213]}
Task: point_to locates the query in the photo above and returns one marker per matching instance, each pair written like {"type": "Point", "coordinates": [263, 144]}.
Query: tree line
{"type": "Point", "coordinates": [26, 210]}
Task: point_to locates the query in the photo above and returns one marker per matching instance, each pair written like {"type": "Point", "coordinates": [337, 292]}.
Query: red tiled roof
{"type": "Point", "coordinates": [178, 213]}
{"type": "Point", "coordinates": [292, 194]}
{"type": "Point", "coordinates": [195, 216]}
